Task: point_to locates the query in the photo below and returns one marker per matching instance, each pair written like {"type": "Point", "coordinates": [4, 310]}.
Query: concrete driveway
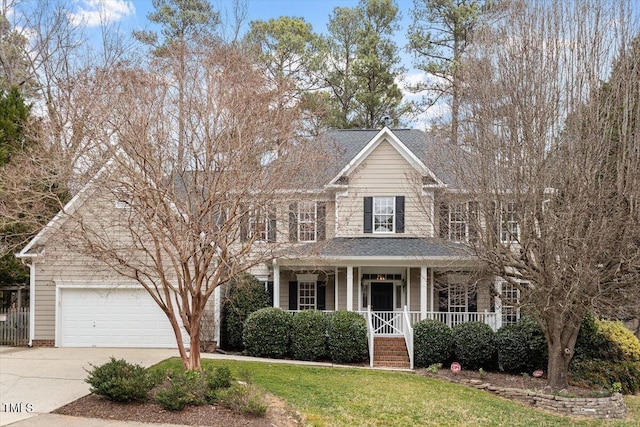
{"type": "Point", "coordinates": [38, 380]}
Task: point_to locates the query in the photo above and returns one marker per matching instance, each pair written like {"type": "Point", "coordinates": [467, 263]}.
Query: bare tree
{"type": "Point", "coordinates": [182, 227]}
{"type": "Point", "coordinates": [553, 178]}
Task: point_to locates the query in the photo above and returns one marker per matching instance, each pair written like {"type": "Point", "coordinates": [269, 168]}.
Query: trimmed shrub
{"type": "Point", "coordinates": [266, 333]}
{"type": "Point", "coordinates": [474, 345]}
{"type": "Point", "coordinates": [432, 343]}
{"type": "Point", "coordinates": [246, 295]}
{"type": "Point", "coordinates": [604, 374]}
{"type": "Point", "coordinates": [120, 381]}
{"type": "Point", "coordinates": [309, 335]}
{"type": "Point", "coordinates": [537, 349]}
{"type": "Point", "coordinates": [512, 349]}
{"type": "Point", "coordinates": [347, 338]}
{"type": "Point", "coordinates": [220, 378]}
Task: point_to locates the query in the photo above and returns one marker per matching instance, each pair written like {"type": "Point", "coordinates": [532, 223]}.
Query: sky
{"type": "Point", "coordinates": [131, 15]}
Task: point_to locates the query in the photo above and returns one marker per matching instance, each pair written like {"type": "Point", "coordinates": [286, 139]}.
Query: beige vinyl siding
{"type": "Point", "coordinates": [59, 264]}
{"type": "Point", "coordinates": [384, 173]}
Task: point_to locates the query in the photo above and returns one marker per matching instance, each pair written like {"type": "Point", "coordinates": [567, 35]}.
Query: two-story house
{"type": "Point", "coordinates": [376, 239]}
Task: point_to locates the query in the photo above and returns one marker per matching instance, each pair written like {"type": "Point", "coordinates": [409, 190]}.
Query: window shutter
{"type": "Point", "coordinates": [293, 222]}
{"type": "Point", "coordinates": [271, 232]}
{"type": "Point", "coordinates": [270, 291]}
{"type": "Point", "coordinates": [472, 221]}
{"type": "Point", "coordinates": [368, 214]}
{"type": "Point", "coordinates": [495, 222]}
{"type": "Point", "coordinates": [322, 220]}
{"type": "Point", "coordinates": [399, 214]}
{"type": "Point", "coordinates": [293, 295]}
{"type": "Point", "coordinates": [444, 220]}
{"type": "Point", "coordinates": [244, 224]}
{"type": "Point", "coordinates": [321, 292]}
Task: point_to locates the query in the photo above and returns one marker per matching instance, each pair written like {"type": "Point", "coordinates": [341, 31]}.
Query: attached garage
{"type": "Point", "coordinates": [111, 317]}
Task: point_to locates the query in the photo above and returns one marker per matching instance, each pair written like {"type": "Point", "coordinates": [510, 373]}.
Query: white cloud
{"type": "Point", "coordinates": [93, 13]}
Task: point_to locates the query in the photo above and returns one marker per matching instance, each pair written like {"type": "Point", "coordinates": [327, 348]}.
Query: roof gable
{"type": "Point", "coordinates": [388, 135]}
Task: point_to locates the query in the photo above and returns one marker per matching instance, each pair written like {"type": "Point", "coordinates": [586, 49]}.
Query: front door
{"type": "Point", "coordinates": [382, 296]}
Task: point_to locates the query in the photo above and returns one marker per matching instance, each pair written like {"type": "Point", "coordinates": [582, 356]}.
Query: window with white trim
{"type": "Point", "coordinates": [307, 221]}
{"type": "Point", "coordinates": [259, 223]}
{"type": "Point", "coordinates": [383, 214]}
{"type": "Point", "coordinates": [458, 222]}
{"type": "Point", "coordinates": [306, 295]}
{"type": "Point", "coordinates": [510, 298]}
{"type": "Point", "coordinates": [509, 227]}
{"type": "Point", "coordinates": [457, 298]}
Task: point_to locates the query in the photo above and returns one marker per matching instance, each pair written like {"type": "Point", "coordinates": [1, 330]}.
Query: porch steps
{"type": "Point", "coordinates": [390, 352]}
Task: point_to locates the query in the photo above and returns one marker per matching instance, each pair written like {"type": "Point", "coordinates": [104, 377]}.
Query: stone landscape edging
{"type": "Point", "coordinates": [597, 407]}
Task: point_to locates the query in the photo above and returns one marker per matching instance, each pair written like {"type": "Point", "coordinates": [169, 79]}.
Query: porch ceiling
{"type": "Point", "coordinates": [382, 251]}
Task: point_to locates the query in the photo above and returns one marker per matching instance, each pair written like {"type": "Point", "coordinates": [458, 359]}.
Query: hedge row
{"type": "Point", "coordinates": [515, 348]}
{"type": "Point", "coordinates": [308, 335]}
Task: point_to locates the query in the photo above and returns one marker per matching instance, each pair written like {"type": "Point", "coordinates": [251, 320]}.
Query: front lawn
{"type": "Point", "coordinates": [361, 397]}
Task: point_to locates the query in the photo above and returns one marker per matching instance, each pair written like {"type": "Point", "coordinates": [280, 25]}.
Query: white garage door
{"type": "Point", "coordinates": [120, 317]}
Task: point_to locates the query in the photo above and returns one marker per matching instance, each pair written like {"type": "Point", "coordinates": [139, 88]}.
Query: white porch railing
{"type": "Point", "coordinates": [453, 319]}
{"type": "Point", "coordinates": [370, 335]}
{"type": "Point", "coordinates": [408, 334]}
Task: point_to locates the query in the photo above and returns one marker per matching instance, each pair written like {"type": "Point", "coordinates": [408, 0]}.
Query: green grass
{"type": "Point", "coordinates": [360, 397]}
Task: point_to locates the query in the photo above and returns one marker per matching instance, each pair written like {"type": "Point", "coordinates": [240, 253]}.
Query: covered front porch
{"type": "Point", "coordinates": [393, 292]}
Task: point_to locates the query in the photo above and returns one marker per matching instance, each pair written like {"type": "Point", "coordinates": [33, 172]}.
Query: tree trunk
{"type": "Point", "coordinates": [558, 366]}
{"type": "Point", "coordinates": [561, 341]}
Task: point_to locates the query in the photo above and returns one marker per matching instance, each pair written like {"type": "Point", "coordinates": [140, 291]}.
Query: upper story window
{"type": "Point", "coordinates": [259, 224]}
{"type": "Point", "coordinates": [459, 221]}
{"type": "Point", "coordinates": [384, 214]}
{"type": "Point", "coordinates": [509, 227]}
{"type": "Point", "coordinates": [307, 221]}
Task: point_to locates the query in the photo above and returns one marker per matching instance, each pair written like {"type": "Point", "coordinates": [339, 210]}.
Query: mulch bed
{"type": "Point", "coordinates": [93, 406]}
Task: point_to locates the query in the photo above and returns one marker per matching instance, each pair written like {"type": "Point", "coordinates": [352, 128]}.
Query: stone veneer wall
{"type": "Point", "coordinates": [597, 407]}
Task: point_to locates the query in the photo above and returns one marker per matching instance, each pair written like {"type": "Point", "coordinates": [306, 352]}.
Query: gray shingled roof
{"type": "Point", "coordinates": [434, 155]}
{"type": "Point", "coordinates": [382, 247]}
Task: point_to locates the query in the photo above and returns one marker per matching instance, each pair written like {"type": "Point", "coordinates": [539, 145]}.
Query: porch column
{"type": "Point", "coordinates": [408, 288]}
{"type": "Point", "coordinates": [335, 289]}
{"type": "Point", "coordinates": [350, 288]}
{"type": "Point", "coordinates": [423, 293]}
{"type": "Point", "coordinates": [217, 304]}
{"type": "Point", "coordinates": [32, 301]}
{"type": "Point", "coordinates": [498, 304]}
{"type": "Point", "coordinates": [431, 290]}
{"type": "Point", "coordinates": [276, 284]}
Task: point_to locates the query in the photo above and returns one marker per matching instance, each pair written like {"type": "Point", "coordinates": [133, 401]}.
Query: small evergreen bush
{"type": "Point", "coordinates": [432, 343]}
{"type": "Point", "coordinates": [245, 399]}
{"type": "Point", "coordinates": [266, 333]}
{"type": "Point", "coordinates": [474, 345]}
{"type": "Point", "coordinates": [347, 337]}
{"type": "Point", "coordinates": [606, 340]}
{"type": "Point", "coordinates": [246, 295]}
{"type": "Point", "coordinates": [513, 350]}
{"type": "Point", "coordinates": [184, 388]}
{"type": "Point", "coordinates": [309, 335]}
{"type": "Point", "coordinates": [120, 381]}
{"type": "Point", "coordinates": [192, 387]}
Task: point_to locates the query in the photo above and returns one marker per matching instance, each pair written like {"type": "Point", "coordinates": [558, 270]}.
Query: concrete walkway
{"type": "Point", "coordinates": [36, 381]}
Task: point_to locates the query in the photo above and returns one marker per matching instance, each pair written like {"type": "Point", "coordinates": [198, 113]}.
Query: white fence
{"type": "Point", "coordinates": [14, 326]}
